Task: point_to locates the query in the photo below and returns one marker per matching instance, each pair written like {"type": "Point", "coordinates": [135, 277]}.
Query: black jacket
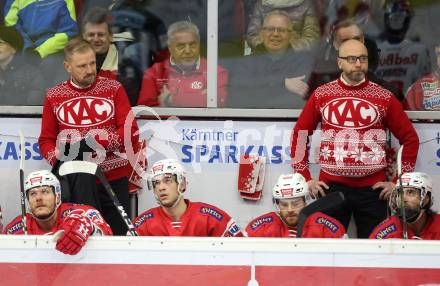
{"type": "Point", "coordinates": [257, 81]}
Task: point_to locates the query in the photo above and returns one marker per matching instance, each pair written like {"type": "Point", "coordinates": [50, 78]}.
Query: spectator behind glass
{"type": "Point", "coordinates": [276, 75]}
{"type": "Point", "coordinates": [373, 62]}
{"type": "Point", "coordinates": [181, 80]}
{"type": "Point", "coordinates": [109, 62]}
{"type": "Point", "coordinates": [132, 18]}
{"type": "Point", "coordinates": [402, 61]}
{"type": "Point", "coordinates": [231, 21]}
{"type": "Point", "coordinates": [305, 28]}
{"type": "Point", "coordinates": [20, 84]}
{"type": "Point", "coordinates": [424, 94]}
{"type": "Point", "coordinates": [45, 26]}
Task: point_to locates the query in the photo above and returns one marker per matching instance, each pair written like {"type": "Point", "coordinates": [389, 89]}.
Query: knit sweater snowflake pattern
{"type": "Point", "coordinates": [353, 123]}
{"type": "Point", "coordinates": [98, 111]}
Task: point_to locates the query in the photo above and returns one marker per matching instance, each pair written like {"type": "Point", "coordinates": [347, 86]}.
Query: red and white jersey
{"type": "Point", "coordinates": [424, 94]}
{"type": "Point", "coordinates": [199, 219]}
{"type": "Point", "coordinates": [100, 226]}
{"type": "Point", "coordinates": [403, 63]}
{"type": "Point", "coordinates": [392, 228]}
{"type": "Point", "coordinates": [317, 225]}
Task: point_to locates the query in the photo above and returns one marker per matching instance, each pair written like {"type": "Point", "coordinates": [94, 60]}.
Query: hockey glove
{"type": "Point", "coordinates": [77, 229]}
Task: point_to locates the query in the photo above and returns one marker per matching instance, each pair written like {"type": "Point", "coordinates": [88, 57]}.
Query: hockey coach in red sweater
{"type": "Point", "coordinates": [89, 106]}
{"type": "Point", "coordinates": [354, 114]}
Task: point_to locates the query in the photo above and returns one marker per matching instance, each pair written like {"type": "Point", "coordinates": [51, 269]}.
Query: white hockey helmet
{"type": "Point", "coordinates": [418, 180]}
{"type": "Point", "coordinates": [43, 178]}
{"type": "Point", "coordinates": [167, 166]}
{"type": "Point", "coordinates": [291, 186]}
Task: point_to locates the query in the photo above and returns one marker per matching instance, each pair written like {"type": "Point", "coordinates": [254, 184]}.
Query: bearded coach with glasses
{"type": "Point", "coordinates": [354, 114]}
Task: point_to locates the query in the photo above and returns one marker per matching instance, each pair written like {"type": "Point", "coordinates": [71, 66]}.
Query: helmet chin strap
{"type": "Point", "coordinates": [179, 197]}
{"type": "Point", "coordinates": [277, 207]}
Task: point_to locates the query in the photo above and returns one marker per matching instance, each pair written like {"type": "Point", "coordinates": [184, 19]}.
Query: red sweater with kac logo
{"type": "Point", "coordinates": [99, 111]}
{"type": "Point", "coordinates": [353, 122]}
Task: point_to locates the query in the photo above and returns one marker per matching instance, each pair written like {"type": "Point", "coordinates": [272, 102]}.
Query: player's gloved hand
{"type": "Point", "coordinates": [77, 229]}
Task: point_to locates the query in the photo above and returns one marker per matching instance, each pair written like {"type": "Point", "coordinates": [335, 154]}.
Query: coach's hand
{"type": "Point", "coordinates": [386, 187]}
{"type": "Point", "coordinates": [317, 188]}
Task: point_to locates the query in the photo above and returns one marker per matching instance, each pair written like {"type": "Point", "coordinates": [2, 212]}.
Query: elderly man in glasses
{"type": "Point", "coordinates": [354, 114]}
{"type": "Point", "coordinates": [275, 76]}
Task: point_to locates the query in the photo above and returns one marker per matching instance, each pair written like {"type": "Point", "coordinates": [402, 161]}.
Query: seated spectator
{"type": "Point", "coordinates": [402, 61]}
{"type": "Point", "coordinates": [275, 76]}
{"type": "Point", "coordinates": [110, 63]}
{"type": "Point", "coordinates": [422, 221]}
{"type": "Point", "coordinates": [424, 94]}
{"type": "Point", "coordinates": [20, 84]}
{"type": "Point", "coordinates": [147, 29]}
{"type": "Point", "coordinates": [83, 6]}
{"type": "Point", "coordinates": [231, 21]}
{"type": "Point", "coordinates": [181, 80]}
{"type": "Point", "coordinates": [290, 196]}
{"type": "Point", "coordinates": [373, 63]}
{"type": "Point", "coordinates": [176, 216]}
{"type": "Point", "coordinates": [45, 25]}
{"type": "Point", "coordinates": [48, 216]}
{"type": "Point", "coordinates": [305, 26]}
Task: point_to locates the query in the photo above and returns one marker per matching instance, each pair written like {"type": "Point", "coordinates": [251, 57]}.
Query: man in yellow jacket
{"type": "Point", "coordinates": [45, 25]}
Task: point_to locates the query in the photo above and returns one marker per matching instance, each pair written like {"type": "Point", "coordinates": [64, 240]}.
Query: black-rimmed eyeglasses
{"type": "Point", "coordinates": [353, 59]}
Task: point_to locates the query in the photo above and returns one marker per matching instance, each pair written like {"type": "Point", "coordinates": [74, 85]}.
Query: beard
{"type": "Point", "coordinates": [86, 81]}
{"type": "Point", "coordinates": [411, 215]}
{"type": "Point", "coordinates": [290, 220]}
{"type": "Point", "coordinates": [355, 76]}
{"type": "Point", "coordinates": [44, 217]}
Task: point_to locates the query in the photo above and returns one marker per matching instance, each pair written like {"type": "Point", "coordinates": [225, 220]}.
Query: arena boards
{"type": "Point", "coordinates": [32, 260]}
